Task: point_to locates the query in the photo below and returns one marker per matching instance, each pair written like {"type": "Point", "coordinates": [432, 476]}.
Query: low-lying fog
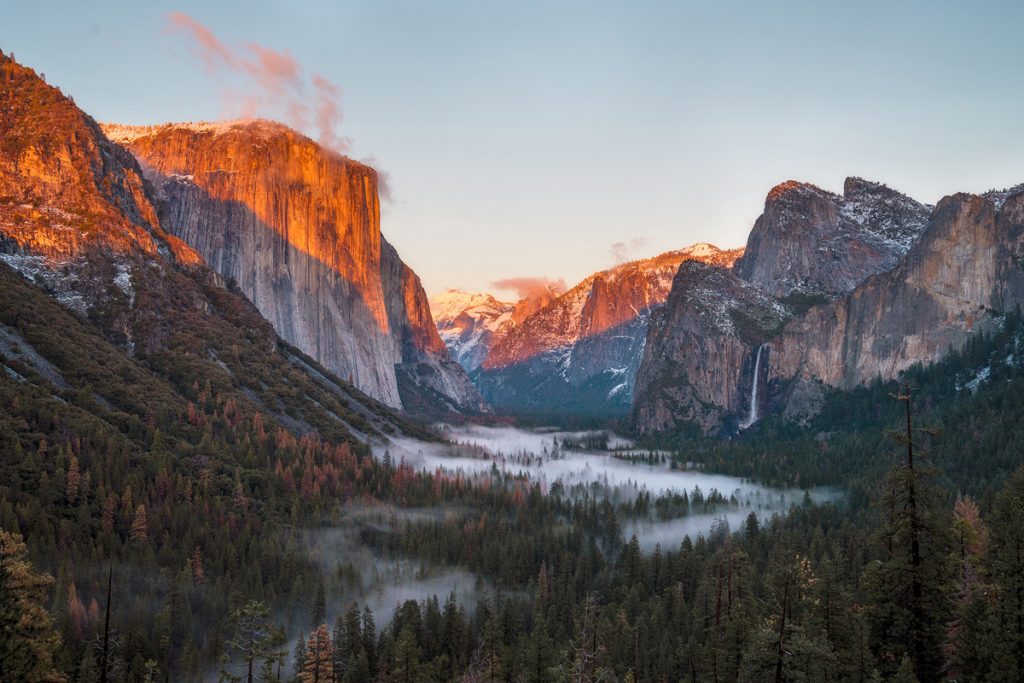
{"type": "Point", "coordinates": [538, 454]}
{"type": "Point", "coordinates": [356, 573]}
{"type": "Point", "coordinates": [359, 574]}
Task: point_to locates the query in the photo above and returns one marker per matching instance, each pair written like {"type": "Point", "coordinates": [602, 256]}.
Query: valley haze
{"type": "Point", "coordinates": [450, 343]}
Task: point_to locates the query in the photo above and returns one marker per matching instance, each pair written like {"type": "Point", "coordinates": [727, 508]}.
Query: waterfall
{"type": "Point", "coordinates": [753, 416]}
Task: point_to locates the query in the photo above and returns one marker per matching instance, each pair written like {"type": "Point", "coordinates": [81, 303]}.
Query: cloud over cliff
{"type": "Point", "coordinates": [256, 80]}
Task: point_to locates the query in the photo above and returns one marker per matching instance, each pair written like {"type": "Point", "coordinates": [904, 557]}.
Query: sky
{"type": "Point", "coordinates": [552, 140]}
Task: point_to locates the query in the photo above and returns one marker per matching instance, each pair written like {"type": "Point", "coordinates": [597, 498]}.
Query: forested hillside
{"type": "Point", "coordinates": [197, 503]}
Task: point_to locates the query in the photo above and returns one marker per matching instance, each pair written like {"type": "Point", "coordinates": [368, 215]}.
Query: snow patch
{"type": "Point", "coordinates": [982, 376]}
{"type": "Point", "coordinates": [123, 281]}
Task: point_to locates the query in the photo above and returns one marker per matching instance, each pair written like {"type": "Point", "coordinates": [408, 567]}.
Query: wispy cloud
{"type": "Point", "coordinates": [384, 189]}
{"type": "Point", "coordinates": [620, 252]}
{"type": "Point", "coordinates": [529, 287]}
{"type": "Point", "coordinates": [273, 83]}
{"type": "Point", "coordinates": [213, 53]}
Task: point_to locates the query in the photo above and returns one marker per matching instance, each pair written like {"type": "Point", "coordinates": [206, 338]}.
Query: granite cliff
{"type": "Point", "coordinates": [581, 350]}
{"type": "Point", "coordinates": [297, 228]}
{"type": "Point", "coordinates": [812, 243]}
{"type": "Point", "coordinates": [963, 271]}
{"type": "Point", "coordinates": [109, 312]}
{"type": "Point", "coordinates": [831, 292]}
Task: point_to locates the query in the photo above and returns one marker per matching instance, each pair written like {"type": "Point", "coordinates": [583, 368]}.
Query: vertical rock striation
{"type": "Point", "coordinates": [841, 290]}
{"type": "Point", "coordinates": [962, 272]}
{"type": "Point", "coordinates": [699, 360]}
{"type": "Point", "coordinates": [297, 228]}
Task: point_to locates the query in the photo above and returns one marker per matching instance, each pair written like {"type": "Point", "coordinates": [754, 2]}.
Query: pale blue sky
{"type": "Point", "coordinates": [524, 139]}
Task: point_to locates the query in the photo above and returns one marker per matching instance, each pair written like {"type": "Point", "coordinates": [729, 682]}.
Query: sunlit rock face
{"type": "Point", "coordinates": [872, 291]}
{"type": "Point", "coordinates": [581, 350]}
{"type": "Point", "coordinates": [297, 228]}
{"type": "Point", "coordinates": [469, 322]}
{"type": "Point", "coordinates": [64, 187]}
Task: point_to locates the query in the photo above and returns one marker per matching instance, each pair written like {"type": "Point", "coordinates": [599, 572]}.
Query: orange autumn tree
{"type": "Point", "coordinates": [318, 665]}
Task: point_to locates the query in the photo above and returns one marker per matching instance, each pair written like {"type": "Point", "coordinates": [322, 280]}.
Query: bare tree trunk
{"type": "Point", "coordinates": [782, 632]}
{"type": "Point", "coordinates": [106, 628]}
{"type": "Point", "coordinates": [916, 588]}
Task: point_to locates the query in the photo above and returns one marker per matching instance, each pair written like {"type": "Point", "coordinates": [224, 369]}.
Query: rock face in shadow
{"type": "Point", "coordinates": [297, 227]}
{"type": "Point", "coordinates": [811, 242]}
{"type": "Point", "coordinates": [581, 350]}
{"type": "Point", "coordinates": [839, 291]}
{"type": "Point", "coordinates": [961, 273]}
{"type": "Point", "coordinates": [698, 364]}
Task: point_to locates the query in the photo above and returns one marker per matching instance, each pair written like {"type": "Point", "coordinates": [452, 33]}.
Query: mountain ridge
{"type": "Point", "coordinates": [875, 313]}
{"type": "Point", "coordinates": [578, 349]}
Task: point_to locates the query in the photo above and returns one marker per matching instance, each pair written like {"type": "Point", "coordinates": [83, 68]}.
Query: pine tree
{"type": "Point", "coordinates": [254, 644]}
{"type": "Point", "coordinates": [318, 612]}
{"type": "Point", "coordinates": [196, 567]}
{"type": "Point", "coordinates": [788, 647]}
{"type": "Point", "coordinates": [74, 480]}
{"type": "Point", "coordinates": [969, 635]}
{"type": "Point", "coordinates": [908, 588]}
{"type": "Point", "coordinates": [584, 649]}
{"type": "Point", "coordinates": [28, 639]}
{"type": "Point", "coordinates": [348, 644]}
{"type": "Point", "coordinates": [140, 527]}
{"type": "Point", "coordinates": [299, 656]}
{"type": "Point", "coordinates": [406, 667]}
{"type": "Point", "coordinates": [319, 661]}
{"type": "Point", "coordinates": [370, 639]}
{"type": "Point", "coordinates": [1008, 574]}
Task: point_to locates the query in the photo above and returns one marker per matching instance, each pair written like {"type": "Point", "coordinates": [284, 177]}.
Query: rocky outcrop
{"type": "Point", "coordinates": [810, 244]}
{"type": "Point", "coordinates": [152, 331]}
{"type": "Point", "coordinates": [699, 361]}
{"type": "Point", "coordinates": [961, 273]}
{"type": "Point", "coordinates": [468, 322]}
{"type": "Point", "coordinates": [429, 382]}
{"type": "Point", "coordinates": [297, 228]}
{"type": "Point", "coordinates": [65, 189]}
{"type": "Point", "coordinates": [864, 313]}
{"type": "Point", "coordinates": [582, 350]}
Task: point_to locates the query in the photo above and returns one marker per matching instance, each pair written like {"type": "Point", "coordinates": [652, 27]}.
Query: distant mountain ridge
{"type": "Point", "coordinates": [572, 351]}
{"type": "Point", "coordinates": [468, 322]}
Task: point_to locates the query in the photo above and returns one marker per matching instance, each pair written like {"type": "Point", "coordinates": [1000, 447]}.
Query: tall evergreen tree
{"type": "Point", "coordinates": [318, 665]}
{"type": "Point", "coordinates": [28, 639]}
{"type": "Point", "coordinates": [1008, 573]}
{"type": "Point", "coordinates": [255, 642]}
{"type": "Point", "coordinates": [909, 586]}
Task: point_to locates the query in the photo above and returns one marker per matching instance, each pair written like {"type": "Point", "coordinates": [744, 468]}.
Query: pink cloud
{"type": "Point", "coordinates": [530, 287]}
{"type": "Point", "coordinates": [275, 71]}
{"type": "Point", "coordinates": [210, 50]}
{"type": "Point", "coordinates": [273, 84]}
{"type": "Point", "coordinates": [328, 113]}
